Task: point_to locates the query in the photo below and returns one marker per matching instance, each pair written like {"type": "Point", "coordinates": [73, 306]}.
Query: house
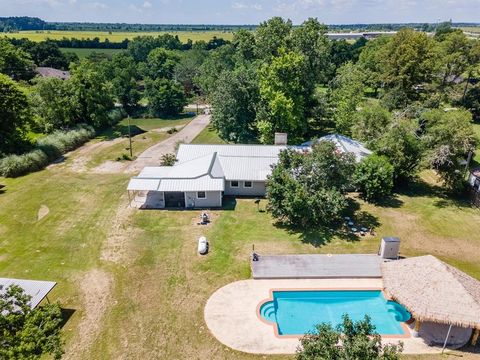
{"type": "Point", "coordinates": [52, 73]}
{"type": "Point", "coordinates": [203, 174]}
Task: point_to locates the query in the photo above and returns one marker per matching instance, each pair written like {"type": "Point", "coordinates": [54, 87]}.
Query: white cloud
{"type": "Point", "coordinates": [97, 5]}
{"type": "Point", "coordinates": [147, 4]}
{"type": "Point", "coordinates": [241, 6]}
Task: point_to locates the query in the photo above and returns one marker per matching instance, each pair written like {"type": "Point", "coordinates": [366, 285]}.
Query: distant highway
{"type": "Point", "coordinates": [358, 35]}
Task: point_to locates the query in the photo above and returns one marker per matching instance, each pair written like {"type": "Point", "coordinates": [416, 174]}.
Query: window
{"type": "Point", "coordinates": [234, 184]}
{"type": "Point", "coordinates": [201, 195]}
{"type": "Point", "coordinates": [247, 184]}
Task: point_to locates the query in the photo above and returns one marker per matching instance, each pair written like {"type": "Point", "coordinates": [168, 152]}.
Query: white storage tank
{"type": "Point", "coordinates": [390, 248]}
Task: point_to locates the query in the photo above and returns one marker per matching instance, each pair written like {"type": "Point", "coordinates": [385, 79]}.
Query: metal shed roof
{"type": "Point", "coordinates": [143, 184]}
{"type": "Point", "coordinates": [188, 152]}
{"type": "Point", "coordinates": [37, 289]}
{"type": "Point", "coordinates": [344, 144]}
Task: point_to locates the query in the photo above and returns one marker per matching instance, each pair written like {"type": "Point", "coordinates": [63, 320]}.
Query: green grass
{"type": "Point", "coordinates": [117, 36]}
{"type": "Point", "coordinates": [83, 53]}
{"type": "Point", "coordinates": [155, 306]}
{"type": "Point", "coordinates": [208, 136]}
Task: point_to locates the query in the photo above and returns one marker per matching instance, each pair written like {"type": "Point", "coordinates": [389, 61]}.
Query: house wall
{"type": "Point", "coordinates": [214, 199]}
{"type": "Point", "coordinates": [257, 189]}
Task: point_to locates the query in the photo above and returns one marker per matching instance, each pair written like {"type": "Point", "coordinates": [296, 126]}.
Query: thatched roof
{"type": "Point", "coordinates": [434, 291]}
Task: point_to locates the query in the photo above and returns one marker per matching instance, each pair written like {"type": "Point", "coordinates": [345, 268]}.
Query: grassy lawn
{"type": "Point", "coordinates": [117, 36]}
{"type": "Point", "coordinates": [208, 136]}
{"type": "Point", "coordinates": [83, 53]}
{"type": "Point", "coordinates": [153, 294]}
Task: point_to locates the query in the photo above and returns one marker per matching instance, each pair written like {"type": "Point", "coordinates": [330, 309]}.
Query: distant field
{"type": "Point", "coordinates": [83, 53]}
{"type": "Point", "coordinates": [117, 36]}
{"type": "Point", "coordinates": [473, 29]}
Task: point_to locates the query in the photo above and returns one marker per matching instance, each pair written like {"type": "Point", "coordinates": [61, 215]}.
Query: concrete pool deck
{"type": "Point", "coordinates": [231, 315]}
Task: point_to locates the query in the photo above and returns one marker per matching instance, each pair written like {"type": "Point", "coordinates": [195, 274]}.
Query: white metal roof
{"type": "Point", "coordinates": [246, 168]}
{"type": "Point", "coordinates": [37, 289]}
{"type": "Point", "coordinates": [344, 144]}
{"type": "Point", "coordinates": [188, 152]}
{"type": "Point", "coordinates": [143, 184]}
{"type": "Point", "coordinates": [204, 183]}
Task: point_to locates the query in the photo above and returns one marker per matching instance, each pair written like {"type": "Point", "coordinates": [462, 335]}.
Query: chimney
{"type": "Point", "coordinates": [280, 138]}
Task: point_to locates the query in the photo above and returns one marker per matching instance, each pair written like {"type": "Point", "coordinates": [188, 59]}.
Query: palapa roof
{"type": "Point", "coordinates": [434, 291]}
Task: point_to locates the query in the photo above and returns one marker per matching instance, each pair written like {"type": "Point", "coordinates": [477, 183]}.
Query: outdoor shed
{"type": "Point", "coordinates": [435, 292]}
{"type": "Point", "coordinates": [36, 289]}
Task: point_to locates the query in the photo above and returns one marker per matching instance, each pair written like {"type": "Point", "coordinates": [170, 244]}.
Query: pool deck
{"type": "Point", "coordinates": [231, 315]}
{"type": "Point", "coordinates": [317, 266]}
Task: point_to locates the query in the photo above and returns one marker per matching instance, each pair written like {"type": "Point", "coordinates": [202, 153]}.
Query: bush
{"type": "Point", "coordinates": [168, 160]}
{"type": "Point", "coordinates": [48, 149]}
{"type": "Point", "coordinates": [374, 177]}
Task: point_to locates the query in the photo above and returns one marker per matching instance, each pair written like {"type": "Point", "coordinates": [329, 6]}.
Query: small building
{"type": "Point", "coordinates": [36, 289]}
{"type": "Point", "coordinates": [474, 183]}
{"type": "Point", "coordinates": [52, 73]}
{"type": "Point", "coordinates": [444, 301]}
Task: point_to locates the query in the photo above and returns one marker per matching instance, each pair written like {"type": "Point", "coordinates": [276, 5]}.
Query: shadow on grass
{"type": "Point", "coordinates": [66, 315]}
{"type": "Point", "coordinates": [2, 189]}
{"type": "Point", "coordinates": [120, 130]}
{"type": "Point", "coordinates": [229, 203]}
{"type": "Point", "coordinates": [444, 199]}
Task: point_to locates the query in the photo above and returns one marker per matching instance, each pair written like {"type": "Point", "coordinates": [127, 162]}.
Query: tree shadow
{"type": "Point", "coordinates": [3, 189]}
{"type": "Point", "coordinates": [390, 202]}
{"type": "Point", "coordinates": [444, 199]}
{"type": "Point", "coordinates": [120, 130]}
{"type": "Point", "coordinates": [66, 315]}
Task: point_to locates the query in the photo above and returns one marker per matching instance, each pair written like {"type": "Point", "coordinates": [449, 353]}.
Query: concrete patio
{"type": "Point", "coordinates": [231, 315]}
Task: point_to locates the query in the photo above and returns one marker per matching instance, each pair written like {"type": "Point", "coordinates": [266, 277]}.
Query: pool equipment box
{"type": "Point", "coordinates": [390, 248]}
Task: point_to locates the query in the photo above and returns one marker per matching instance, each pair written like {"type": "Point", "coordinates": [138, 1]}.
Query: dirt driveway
{"type": "Point", "coordinates": [152, 156]}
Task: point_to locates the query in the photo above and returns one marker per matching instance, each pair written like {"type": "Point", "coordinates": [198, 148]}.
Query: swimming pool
{"type": "Point", "coordinates": [297, 312]}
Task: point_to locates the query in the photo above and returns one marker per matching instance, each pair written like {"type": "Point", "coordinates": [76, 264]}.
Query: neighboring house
{"type": "Point", "coordinates": [52, 73]}
{"type": "Point", "coordinates": [203, 174]}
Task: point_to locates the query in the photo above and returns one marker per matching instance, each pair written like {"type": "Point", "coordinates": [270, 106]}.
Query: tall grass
{"type": "Point", "coordinates": [47, 149]}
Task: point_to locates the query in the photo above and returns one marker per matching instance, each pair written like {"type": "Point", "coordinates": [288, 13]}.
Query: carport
{"type": "Point", "coordinates": [36, 289]}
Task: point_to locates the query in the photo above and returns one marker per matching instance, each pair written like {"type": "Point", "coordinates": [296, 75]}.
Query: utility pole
{"type": "Point", "coordinates": [130, 137]}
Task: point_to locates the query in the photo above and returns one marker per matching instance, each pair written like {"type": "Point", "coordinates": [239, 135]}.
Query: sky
{"type": "Point", "coordinates": [244, 11]}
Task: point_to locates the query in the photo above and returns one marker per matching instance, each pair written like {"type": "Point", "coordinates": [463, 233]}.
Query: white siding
{"type": "Point", "coordinates": [214, 199]}
{"type": "Point", "coordinates": [257, 189]}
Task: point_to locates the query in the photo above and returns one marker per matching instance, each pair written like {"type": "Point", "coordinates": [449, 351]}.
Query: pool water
{"type": "Point", "coordinates": [297, 312]}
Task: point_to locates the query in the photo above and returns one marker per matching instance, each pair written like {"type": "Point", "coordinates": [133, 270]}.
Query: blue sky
{"type": "Point", "coordinates": [244, 11]}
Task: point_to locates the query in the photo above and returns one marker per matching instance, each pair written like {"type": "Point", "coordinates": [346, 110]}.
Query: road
{"type": "Point", "coordinates": [153, 155]}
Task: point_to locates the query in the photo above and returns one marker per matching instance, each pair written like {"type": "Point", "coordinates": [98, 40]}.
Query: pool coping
{"type": "Point", "coordinates": [406, 332]}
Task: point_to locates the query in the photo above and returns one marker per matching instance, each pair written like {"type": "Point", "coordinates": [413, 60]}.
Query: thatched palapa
{"type": "Point", "coordinates": [434, 291]}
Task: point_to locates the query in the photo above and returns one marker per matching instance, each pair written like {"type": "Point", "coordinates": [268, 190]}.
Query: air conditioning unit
{"type": "Point", "coordinates": [390, 248]}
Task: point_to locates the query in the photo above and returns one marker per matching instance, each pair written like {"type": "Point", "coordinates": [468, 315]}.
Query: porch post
{"type": "Point", "coordinates": [475, 335]}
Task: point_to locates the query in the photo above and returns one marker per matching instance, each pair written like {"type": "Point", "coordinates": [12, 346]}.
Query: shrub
{"type": "Point", "coordinates": [374, 177]}
{"type": "Point", "coordinates": [48, 149]}
{"type": "Point", "coordinates": [168, 160]}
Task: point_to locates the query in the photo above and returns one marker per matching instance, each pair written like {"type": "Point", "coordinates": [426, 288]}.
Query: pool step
{"type": "Point", "coordinates": [268, 311]}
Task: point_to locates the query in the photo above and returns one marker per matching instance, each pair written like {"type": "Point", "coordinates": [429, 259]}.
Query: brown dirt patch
{"type": "Point", "coordinates": [96, 288]}
{"type": "Point", "coordinates": [109, 166]}
{"type": "Point", "coordinates": [116, 249]}
{"type": "Point", "coordinates": [42, 212]}
{"type": "Point", "coordinates": [84, 154]}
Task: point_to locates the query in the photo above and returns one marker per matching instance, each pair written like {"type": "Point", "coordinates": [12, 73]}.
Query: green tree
{"type": "Point", "coordinates": [14, 115]}
{"type": "Point", "coordinates": [54, 106]}
{"type": "Point", "coordinates": [165, 97]}
{"type": "Point", "coordinates": [244, 43]}
{"type": "Point", "coordinates": [448, 137]}
{"type": "Point", "coordinates": [234, 105]}
{"type": "Point", "coordinates": [350, 340]}
{"type": "Point", "coordinates": [374, 177]}
{"type": "Point", "coordinates": [217, 61]}
{"type": "Point", "coordinates": [187, 70]}
{"type": "Point", "coordinates": [307, 190]}
{"type": "Point", "coordinates": [347, 93]}
{"type": "Point", "coordinates": [400, 144]}
{"type": "Point", "coordinates": [160, 64]}
{"type": "Point", "coordinates": [310, 40]}
{"type": "Point", "coordinates": [15, 62]}
{"type": "Point", "coordinates": [371, 61]}
{"type": "Point", "coordinates": [92, 93]}
{"type": "Point", "coordinates": [282, 97]}
{"type": "Point", "coordinates": [370, 123]}
{"type": "Point", "coordinates": [28, 333]}
{"type": "Point", "coordinates": [270, 36]}
{"type": "Point", "coordinates": [408, 62]}
{"type": "Point", "coordinates": [124, 74]}
{"type": "Point", "coordinates": [453, 57]}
